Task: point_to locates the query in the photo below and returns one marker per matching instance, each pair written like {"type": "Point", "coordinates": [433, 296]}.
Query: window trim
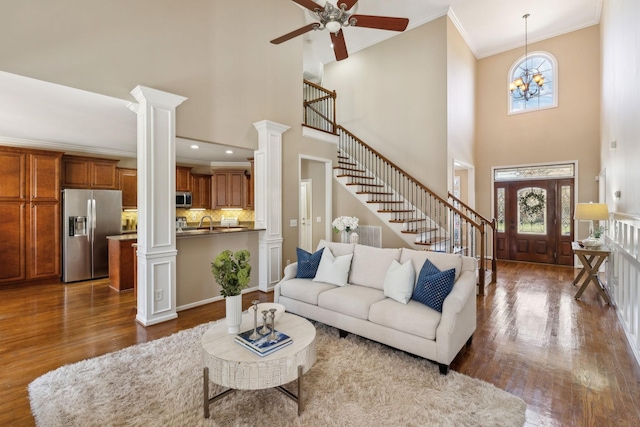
{"type": "Point", "coordinates": [516, 64]}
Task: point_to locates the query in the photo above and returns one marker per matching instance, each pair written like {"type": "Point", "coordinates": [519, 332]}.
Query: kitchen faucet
{"type": "Point", "coordinates": [210, 222]}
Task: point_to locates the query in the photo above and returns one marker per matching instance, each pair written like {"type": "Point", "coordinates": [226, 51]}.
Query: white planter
{"type": "Point", "coordinates": [234, 313]}
{"type": "Point", "coordinates": [353, 237]}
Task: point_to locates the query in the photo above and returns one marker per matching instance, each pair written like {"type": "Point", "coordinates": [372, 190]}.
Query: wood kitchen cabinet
{"type": "Point", "coordinates": [30, 208]}
{"type": "Point", "coordinates": [249, 189]}
{"type": "Point", "coordinates": [201, 191]}
{"type": "Point", "coordinates": [183, 178]}
{"type": "Point", "coordinates": [128, 184]}
{"type": "Point", "coordinates": [88, 172]}
{"type": "Point", "coordinates": [228, 189]}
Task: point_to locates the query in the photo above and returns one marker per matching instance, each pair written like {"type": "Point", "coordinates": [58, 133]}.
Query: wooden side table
{"type": "Point", "coordinates": [591, 259]}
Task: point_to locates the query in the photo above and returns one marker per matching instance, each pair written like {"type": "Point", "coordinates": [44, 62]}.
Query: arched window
{"type": "Point", "coordinates": [534, 69]}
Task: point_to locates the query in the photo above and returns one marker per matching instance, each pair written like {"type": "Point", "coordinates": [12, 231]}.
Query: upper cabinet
{"type": "Point", "coordinates": [248, 194]}
{"type": "Point", "coordinates": [87, 172]}
{"type": "Point", "coordinates": [201, 191]}
{"type": "Point", "coordinates": [183, 178]}
{"type": "Point", "coordinates": [128, 184]}
{"type": "Point", "coordinates": [228, 189]}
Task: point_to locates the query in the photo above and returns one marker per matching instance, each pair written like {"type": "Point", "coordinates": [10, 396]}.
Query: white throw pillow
{"type": "Point", "coordinates": [399, 280]}
{"type": "Point", "coordinates": [333, 270]}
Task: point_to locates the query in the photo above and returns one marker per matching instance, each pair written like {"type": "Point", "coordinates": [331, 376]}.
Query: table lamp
{"type": "Point", "coordinates": [591, 212]}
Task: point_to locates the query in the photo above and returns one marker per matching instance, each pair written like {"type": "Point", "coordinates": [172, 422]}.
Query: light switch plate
{"type": "Point", "coordinates": [293, 223]}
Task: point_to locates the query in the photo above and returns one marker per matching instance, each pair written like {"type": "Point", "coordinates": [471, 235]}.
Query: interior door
{"type": "Point", "coordinates": [534, 220]}
{"type": "Point", "coordinates": [306, 224]}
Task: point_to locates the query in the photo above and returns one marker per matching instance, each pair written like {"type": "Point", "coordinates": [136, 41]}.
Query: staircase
{"type": "Point", "coordinates": [420, 217]}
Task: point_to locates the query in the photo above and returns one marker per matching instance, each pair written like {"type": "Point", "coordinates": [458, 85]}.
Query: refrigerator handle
{"type": "Point", "coordinates": [89, 220]}
{"type": "Point", "coordinates": [93, 220]}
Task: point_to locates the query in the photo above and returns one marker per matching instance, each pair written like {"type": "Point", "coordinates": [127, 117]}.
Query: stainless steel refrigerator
{"type": "Point", "coordinates": [88, 217]}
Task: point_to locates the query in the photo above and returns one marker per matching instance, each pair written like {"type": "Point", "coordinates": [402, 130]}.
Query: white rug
{"type": "Point", "coordinates": [355, 382]}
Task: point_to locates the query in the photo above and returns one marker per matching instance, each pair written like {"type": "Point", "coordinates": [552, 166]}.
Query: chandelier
{"type": "Point", "coordinates": [531, 80]}
{"type": "Point", "coordinates": [334, 17]}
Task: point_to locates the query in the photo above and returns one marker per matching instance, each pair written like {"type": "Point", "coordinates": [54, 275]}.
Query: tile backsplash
{"type": "Point", "coordinates": [130, 219]}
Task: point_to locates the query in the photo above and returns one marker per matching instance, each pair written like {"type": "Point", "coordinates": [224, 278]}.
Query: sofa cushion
{"type": "Point", "coordinates": [337, 249]}
{"type": "Point", "coordinates": [304, 290]}
{"type": "Point", "coordinates": [414, 317]}
{"type": "Point", "coordinates": [399, 280]}
{"type": "Point", "coordinates": [370, 265]}
{"type": "Point", "coordinates": [441, 260]}
{"type": "Point", "coordinates": [431, 290]}
{"type": "Point", "coordinates": [308, 263]}
{"type": "Point", "coordinates": [352, 300]}
{"type": "Point", "coordinates": [334, 270]}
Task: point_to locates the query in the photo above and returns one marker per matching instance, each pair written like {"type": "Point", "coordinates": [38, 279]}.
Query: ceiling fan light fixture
{"type": "Point", "coordinates": [333, 26]}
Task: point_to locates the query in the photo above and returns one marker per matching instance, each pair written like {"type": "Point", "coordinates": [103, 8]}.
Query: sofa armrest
{"type": "Point", "coordinates": [459, 295]}
{"type": "Point", "coordinates": [458, 321]}
{"type": "Point", "coordinates": [290, 271]}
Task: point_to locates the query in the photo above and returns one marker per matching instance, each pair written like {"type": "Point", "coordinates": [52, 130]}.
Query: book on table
{"type": "Point", "coordinates": [264, 344]}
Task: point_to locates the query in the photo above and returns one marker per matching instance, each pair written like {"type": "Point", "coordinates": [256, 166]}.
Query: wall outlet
{"type": "Point", "coordinates": [319, 219]}
{"type": "Point", "coordinates": [288, 261]}
{"type": "Point", "coordinates": [159, 295]}
{"type": "Point", "coordinates": [293, 223]}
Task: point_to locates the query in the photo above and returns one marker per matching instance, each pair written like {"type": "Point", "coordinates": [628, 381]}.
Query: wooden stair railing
{"type": "Point", "coordinates": [490, 237]}
{"type": "Point", "coordinates": [319, 107]}
{"type": "Point", "coordinates": [438, 224]}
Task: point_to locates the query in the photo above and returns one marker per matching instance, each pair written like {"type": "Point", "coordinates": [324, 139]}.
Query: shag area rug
{"type": "Point", "coordinates": [355, 382]}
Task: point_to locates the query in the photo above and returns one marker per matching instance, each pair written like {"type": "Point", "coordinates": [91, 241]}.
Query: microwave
{"type": "Point", "coordinates": [183, 199]}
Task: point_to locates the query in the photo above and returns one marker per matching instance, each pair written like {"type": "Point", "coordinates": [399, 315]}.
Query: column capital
{"type": "Point", "coordinates": [157, 97]}
{"type": "Point", "coordinates": [271, 126]}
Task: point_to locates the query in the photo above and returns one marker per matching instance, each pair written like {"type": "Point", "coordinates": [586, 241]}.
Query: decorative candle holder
{"type": "Point", "coordinates": [265, 329]}
{"type": "Point", "coordinates": [255, 335]}
{"type": "Point", "coordinates": [273, 324]}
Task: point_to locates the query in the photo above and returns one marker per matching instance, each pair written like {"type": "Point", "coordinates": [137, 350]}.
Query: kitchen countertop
{"type": "Point", "coordinates": [194, 232]}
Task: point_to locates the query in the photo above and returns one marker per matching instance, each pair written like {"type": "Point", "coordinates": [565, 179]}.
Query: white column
{"type": "Point", "coordinates": [268, 201]}
{"type": "Point", "coordinates": [156, 204]}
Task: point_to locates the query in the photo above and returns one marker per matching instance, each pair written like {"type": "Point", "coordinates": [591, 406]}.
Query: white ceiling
{"type": "Point", "coordinates": [40, 114]}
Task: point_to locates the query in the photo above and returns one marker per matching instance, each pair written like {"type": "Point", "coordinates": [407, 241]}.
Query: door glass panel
{"type": "Point", "coordinates": [565, 202]}
{"type": "Point", "coordinates": [501, 208]}
{"type": "Point", "coordinates": [534, 172]}
{"type": "Point", "coordinates": [532, 212]}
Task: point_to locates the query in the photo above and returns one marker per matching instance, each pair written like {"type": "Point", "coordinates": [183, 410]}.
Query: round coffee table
{"type": "Point", "coordinates": [229, 364]}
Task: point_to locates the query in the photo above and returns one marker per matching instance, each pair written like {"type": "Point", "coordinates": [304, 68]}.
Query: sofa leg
{"type": "Point", "coordinates": [469, 341]}
{"type": "Point", "coordinates": [444, 369]}
{"type": "Point", "coordinates": [343, 334]}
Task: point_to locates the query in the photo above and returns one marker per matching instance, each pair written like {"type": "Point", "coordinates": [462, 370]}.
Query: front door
{"type": "Point", "coordinates": [535, 220]}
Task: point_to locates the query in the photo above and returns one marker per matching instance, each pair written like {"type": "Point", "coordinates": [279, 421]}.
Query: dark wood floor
{"type": "Point", "coordinates": [567, 359]}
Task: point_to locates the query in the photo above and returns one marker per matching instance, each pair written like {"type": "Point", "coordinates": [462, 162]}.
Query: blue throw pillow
{"type": "Point", "coordinates": [308, 263]}
{"type": "Point", "coordinates": [433, 286]}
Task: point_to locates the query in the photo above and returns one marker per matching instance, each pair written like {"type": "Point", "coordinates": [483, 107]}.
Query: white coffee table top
{"type": "Point", "coordinates": [231, 365]}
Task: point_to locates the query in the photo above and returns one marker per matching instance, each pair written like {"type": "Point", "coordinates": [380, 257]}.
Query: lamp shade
{"type": "Point", "coordinates": [591, 211]}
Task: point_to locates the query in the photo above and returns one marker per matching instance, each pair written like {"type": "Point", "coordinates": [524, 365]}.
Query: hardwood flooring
{"type": "Point", "coordinates": [568, 359]}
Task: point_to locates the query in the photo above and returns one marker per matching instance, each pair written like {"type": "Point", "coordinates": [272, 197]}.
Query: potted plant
{"type": "Point", "coordinates": [232, 272]}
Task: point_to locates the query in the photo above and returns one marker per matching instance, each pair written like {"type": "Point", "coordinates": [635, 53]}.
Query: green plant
{"type": "Point", "coordinates": [598, 231]}
{"type": "Point", "coordinates": [232, 271]}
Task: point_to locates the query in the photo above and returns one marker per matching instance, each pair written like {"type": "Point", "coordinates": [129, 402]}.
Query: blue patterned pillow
{"type": "Point", "coordinates": [431, 289]}
{"type": "Point", "coordinates": [308, 263]}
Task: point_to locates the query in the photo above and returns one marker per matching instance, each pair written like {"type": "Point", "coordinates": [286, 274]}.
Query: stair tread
{"type": "Point", "coordinates": [395, 210]}
{"type": "Point", "coordinates": [364, 183]}
{"type": "Point", "coordinates": [384, 201]}
{"type": "Point", "coordinates": [400, 221]}
{"type": "Point", "coordinates": [419, 230]}
{"type": "Point", "coordinates": [350, 169]}
{"type": "Point", "coordinates": [372, 192]}
{"type": "Point", "coordinates": [354, 176]}
{"type": "Point", "coordinates": [432, 241]}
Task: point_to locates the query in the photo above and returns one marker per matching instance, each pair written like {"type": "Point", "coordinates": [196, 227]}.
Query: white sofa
{"type": "Point", "coordinates": [362, 308]}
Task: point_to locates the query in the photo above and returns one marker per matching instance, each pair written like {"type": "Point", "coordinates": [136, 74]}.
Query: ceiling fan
{"type": "Point", "coordinates": [333, 18]}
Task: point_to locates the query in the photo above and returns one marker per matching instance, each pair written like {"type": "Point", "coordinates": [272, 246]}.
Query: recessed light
{"type": "Point", "coordinates": [229, 152]}
{"type": "Point", "coordinates": [195, 147]}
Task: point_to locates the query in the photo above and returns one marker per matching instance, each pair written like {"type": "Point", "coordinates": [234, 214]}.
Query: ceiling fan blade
{"type": "Point", "coordinates": [309, 4]}
{"type": "Point", "coordinates": [294, 33]}
{"type": "Point", "coordinates": [348, 3]}
{"type": "Point", "coordinates": [381, 22]}
{"type": "Point", "coordinates": [339, 45]}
